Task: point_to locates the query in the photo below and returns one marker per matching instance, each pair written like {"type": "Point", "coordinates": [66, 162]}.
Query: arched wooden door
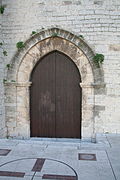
{"type": "Point", "coordinates": [55, 98]}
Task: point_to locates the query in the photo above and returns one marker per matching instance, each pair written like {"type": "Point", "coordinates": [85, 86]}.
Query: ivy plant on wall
{"type": "Point", "coordinates": [33, 32]}
{"type": "Point", "coordinates": [81, 36]}
{"type": "Point", "coordinates": [4, 52]}
{"type": "Point", "coordinates": [20, 45]}
{"type": "Point", "coordinates": [8, 66]}
{"type": "Point", "coordinates": [98, 59]}
{"type": "Point", "coordinates": [4, 80]}
{"type": "Point", "coordinates": [2, 8]}
{"type": "Point", "coordinates": [54, 35]}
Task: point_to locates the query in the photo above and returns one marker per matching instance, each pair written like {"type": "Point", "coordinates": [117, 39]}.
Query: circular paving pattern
{"type": "Point", "coordinates": [37, 169]}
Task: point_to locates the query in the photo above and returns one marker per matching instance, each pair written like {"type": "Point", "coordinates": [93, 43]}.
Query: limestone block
{"type": "Point", "coordinates": [114, 47]}
{"type": "Point", "coordinates": [98, 22]}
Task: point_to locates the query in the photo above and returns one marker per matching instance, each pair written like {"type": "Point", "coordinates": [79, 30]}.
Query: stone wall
{"type": "Point", "coordinates": [2, 110]}
{"type": "Point", "coordinates": [99, 23]}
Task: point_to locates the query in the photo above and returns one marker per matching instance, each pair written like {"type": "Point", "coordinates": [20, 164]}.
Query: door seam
{"type": "Point", "coordinates": [55, 94]}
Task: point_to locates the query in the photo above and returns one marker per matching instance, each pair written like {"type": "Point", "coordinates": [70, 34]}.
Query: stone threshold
{"type": "Point", "coordinates": [62, 140]}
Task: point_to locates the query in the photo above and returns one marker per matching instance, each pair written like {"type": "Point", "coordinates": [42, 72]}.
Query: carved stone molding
{"type": "Point", "coordinates": [23, 63]}
{"type": "Point", "coordinates": [18, 84]}
{"type": "Point", "coordinates": [92, 85]}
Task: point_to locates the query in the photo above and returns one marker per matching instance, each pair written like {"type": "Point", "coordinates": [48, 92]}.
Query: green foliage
{"type": "Point", "coordinates": [33, 32]}
{"type": "Point", "coordinates": [5, 53]}
{"type": "Point", "coordinates": [8, 66]}
{"type": "Point", "coordinates": [13, 81]}
{"type": "Point", "coordinates": [4, 80]}
{"type": "Point", "coordinates": [20, 45]}
{"type": "Point", "coordinates": [98, 59]}
{"type": "Point", "coordinates": [81, 36]}
{"type": "Point", "coordinates": [54, 34]}
{"type": "Point", "coordinates": [2, 8]}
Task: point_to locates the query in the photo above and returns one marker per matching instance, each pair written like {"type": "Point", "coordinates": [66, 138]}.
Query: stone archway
{"type": "Point", "coordinates": [17, 93]}
{"type": "Point", "coordinates": [55, 98]}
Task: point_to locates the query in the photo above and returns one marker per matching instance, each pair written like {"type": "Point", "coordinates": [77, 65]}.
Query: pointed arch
{"type": "Point", "coordinates": [47, 55]}
{"type": "Point", "coordinates": [49, 35]}
{"type": "Point", "coordinates": [25, 60]}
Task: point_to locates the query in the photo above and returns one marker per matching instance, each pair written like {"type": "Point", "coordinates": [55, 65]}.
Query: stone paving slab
{"type": "Point", "coordinates": [46, 159]}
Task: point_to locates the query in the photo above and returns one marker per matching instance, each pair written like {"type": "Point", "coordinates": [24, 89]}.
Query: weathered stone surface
{"type": "Point", "coordinates": [97, 20]}
{"type": "Point", "coordinates": [114, 47]}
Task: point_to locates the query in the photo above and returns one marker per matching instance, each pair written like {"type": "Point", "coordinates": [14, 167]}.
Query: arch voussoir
{"type": "Point", "coordinates": [23, 64]}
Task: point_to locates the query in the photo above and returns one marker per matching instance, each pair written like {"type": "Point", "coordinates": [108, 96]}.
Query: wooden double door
{"type": "Point", "coordinates": [55, 98]}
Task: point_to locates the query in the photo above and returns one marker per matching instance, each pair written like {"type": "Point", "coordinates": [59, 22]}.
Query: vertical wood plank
{"type": "Point", "coordinates": [43, 98]}
{"type": "Point", "coordinates": [68, 98]}
{"type": "Point", "coordinates": [55, 98]}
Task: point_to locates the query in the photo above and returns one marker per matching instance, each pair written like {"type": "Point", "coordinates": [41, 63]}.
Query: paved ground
{"type": "Point", "coordinates": [37, 159]}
